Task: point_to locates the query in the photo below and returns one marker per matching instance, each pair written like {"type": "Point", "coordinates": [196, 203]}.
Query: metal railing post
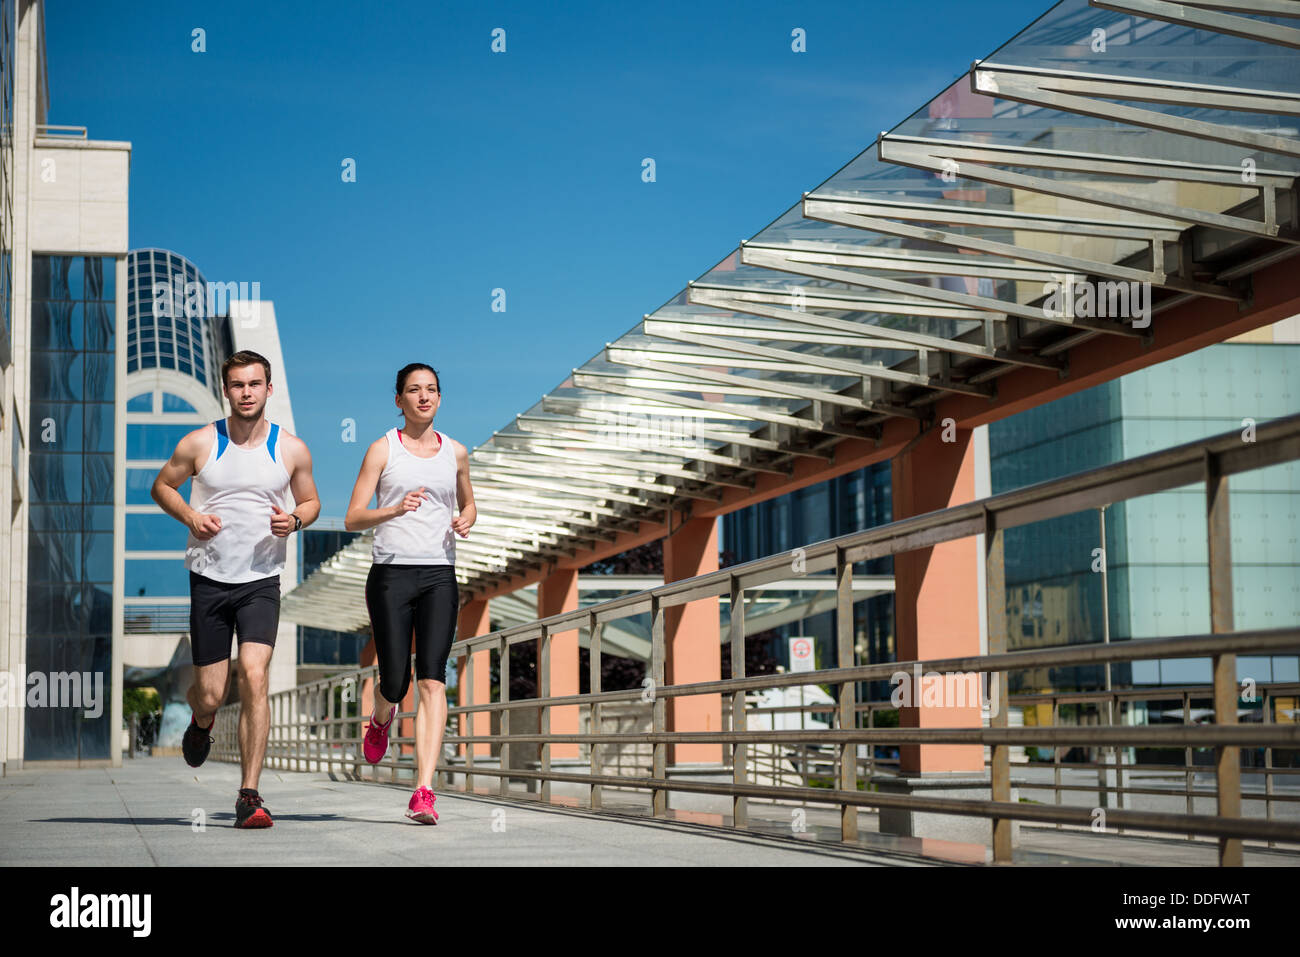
{"type": "Point", "coordinates": [544, 712]}
{"type": "Point", "coordinates": [504, 696]}
{"type": "Point", "coordinates": [331, 725]}
{"type": "Point", "coordinates": [847, 715]}
{"type": "Point", "coordinates": [659, 770]}
{"type": "Point", "coordinates": [1056, 753]}
{"type": "Point", "coordinates": [1189, 761]}
{"type": "Point", "coordinates": [469, 721]}
{"type": "Point", "coordinates": [995, 584]}
{"type": "Point", "coordinates": [1227, 760]}
{"type": "Point", "coordinates": [739, 751]}
{"type": "Point", "coordinates": [1267, 718]}
{"type": "Point", "coordinates": [595, 718]}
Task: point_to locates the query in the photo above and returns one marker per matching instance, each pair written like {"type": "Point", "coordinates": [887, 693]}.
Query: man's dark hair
{"type": "Point", "coordinates": [244, 357]}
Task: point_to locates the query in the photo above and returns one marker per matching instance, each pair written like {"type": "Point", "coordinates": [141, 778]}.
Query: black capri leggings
{"type": "Point", "coordinates": [406, 598]}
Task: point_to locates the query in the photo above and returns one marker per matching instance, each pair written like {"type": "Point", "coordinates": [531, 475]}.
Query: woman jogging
{"type": "Point", "coordinates": [420, 477]}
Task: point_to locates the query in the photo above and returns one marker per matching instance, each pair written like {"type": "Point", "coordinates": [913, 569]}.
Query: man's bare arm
{"type": "Point", "coordinates": [303, 486]}
{"type": "Point", "coordinates": [176, 472]}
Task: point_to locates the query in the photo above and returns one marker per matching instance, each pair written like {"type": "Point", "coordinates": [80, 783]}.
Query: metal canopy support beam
{"type": "Point", "coordinates": [940, 155]}
{"type": "Point", "coordinates": [837, 365]}
{"type": "Point", "coordinates": [760, 257]}
{"type": "Point", "coordinates": [1078, 93]}
{"type": "Point", "coordinates": [595, 440]}
{"type": "Point", "coordinates": [901, 338]}
{"type": "Point", "coordinates": [865, 256]}
{"type": "Point", "coordinates": [952, 215]}
{"type": "Point", "coordinates": [1201, 15]}
{"type": "Point", "coordinates": [763, 413]}
{"type": "Point", "coordinates": [842, 216]}
{"type": "Point", "coordinates": [712, 431]}
{"type": "Point", "coordinates": [814, 296]}
{"type": "Point", "coordinates": [729, 381]}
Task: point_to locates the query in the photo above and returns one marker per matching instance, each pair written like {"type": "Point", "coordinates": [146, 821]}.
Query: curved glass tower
{"type": "Point", "coordinates": [169, 322]}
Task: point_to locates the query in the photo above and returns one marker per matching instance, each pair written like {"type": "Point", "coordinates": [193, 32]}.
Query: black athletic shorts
{"type": "Point", "coordinates": [220, 610]}
{"type": "Point", "coordinates": [406, 600]}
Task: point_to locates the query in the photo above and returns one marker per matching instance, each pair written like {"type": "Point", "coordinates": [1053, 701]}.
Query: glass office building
{"type": "Point", "coordinates": [71, 486]}
{"type": "Point", "coordinates": [848, 503]}
{"type": "Point", "coordinates": [1155, 550]}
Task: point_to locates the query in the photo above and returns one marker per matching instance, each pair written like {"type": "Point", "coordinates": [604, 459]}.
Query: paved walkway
{"type": "Point", "coordinates": [157, 811]}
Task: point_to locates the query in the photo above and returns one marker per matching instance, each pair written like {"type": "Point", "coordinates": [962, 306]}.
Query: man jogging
{"type": "Point", "coordinates": [244, 470]}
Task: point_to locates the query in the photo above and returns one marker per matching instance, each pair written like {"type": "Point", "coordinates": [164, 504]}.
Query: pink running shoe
{"type": "Point", "coordinates": [421, 807]}
{"type": "Point", "coordinates": [375, 745]}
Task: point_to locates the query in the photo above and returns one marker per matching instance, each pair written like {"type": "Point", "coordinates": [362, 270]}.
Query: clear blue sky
{"type": "Point", "coordinates": [478, 170]}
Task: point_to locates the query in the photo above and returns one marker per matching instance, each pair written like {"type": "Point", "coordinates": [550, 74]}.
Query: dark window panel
{"type": "Point", "coordinates": [55, 478]}
{"type": "Point", "coordinates": [154, 441]}
{"type": "Point", "coordinates": [97, 518]}
{"type": "Point", "coordinates": [97, 556]}
{"type": "Point", "coordinates": [54, 517]}
{"type": "Point", "coordinates": [98, 434]}
{"type": "Point", "coordinates": [66, 733]}
{"type": "Point", "coordinates": [99, 326]}
{"type": "Point", "coordinates": [148, 533]}
{"type": "Point", "coordinates": [57, 326]}
{"type": "Point", "coordinates": [101, 278]}
{"type": "Point", "coordinates": [57, 376]}
{"type": "Point", "coordinates": [99, 377]}
{"type": "Point", "coordinates": [97, 485]}
{"type": "Point", "coordinates": [53, 557]}
{"type": "Point", "coordinates": [174, 403]}
{"type": "Point", "coordinates": [154, 578]}
{"type": "Point", "coordinates": [99, 609]}
{"type": "Point", "coordinates": [56, 427]}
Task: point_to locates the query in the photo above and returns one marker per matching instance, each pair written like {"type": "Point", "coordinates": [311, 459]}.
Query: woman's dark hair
{"type": "Point", "coordinates": [408, 369]}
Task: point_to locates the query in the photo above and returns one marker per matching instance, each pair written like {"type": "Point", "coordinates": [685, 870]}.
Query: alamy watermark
{"type": "Point", "coordinates": [53, 689]}
{"type": "Point", "coordinates": [633, 430]}
{"type": "Point", "coordinates": [1082, 299]}
{"type": "Point", "coordinates": [76, 909]}
{"type": "Point", "coordinates": [199, 300]}
{"type": "Point", "coordinates": [951, 689]}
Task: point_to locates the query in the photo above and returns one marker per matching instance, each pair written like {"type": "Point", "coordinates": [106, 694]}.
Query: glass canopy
{"type": "Point", "coordinates": [1143, 149]}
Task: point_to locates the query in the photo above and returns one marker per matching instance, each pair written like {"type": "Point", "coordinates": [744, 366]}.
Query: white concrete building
{"type": "Point", "coordinates": [61, 397]}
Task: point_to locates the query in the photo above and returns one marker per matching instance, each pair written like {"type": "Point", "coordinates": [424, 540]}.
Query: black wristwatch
{"type": "Point", "coordinates": [297, 523]}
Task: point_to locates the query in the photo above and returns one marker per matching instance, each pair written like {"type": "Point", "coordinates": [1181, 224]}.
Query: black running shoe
{"type": "Point", "coordinates": [197, 743]}
{"type": "Point", "coordinates": [249, 811]}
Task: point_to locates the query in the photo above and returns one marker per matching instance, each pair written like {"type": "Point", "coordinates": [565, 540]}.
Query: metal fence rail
{"type": "Point", "coordinates": [310, 728]}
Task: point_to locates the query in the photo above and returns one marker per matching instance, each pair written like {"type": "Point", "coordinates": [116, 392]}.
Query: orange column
{"type": "Point", "coordinates": [936, 597]}
{"type": "Point", "coordinates": [692, 640]}
{"type": "Point", "coordinates": [474, 621]}
{"type": "Point", "coordinates": [556, 594]}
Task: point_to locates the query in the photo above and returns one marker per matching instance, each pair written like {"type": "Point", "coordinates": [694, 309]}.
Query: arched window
{"type": "Point", "coordinates": [174, 403]}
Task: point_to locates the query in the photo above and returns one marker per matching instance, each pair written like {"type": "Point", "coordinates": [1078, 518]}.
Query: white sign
{"type": "Point", "coordinates": [801, 654]}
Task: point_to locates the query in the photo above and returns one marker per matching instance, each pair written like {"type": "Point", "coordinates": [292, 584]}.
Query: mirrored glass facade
{"type": "Point", "coordinates": [1157, 577]}
{"type": "Point", "coordinates": [71, 486]}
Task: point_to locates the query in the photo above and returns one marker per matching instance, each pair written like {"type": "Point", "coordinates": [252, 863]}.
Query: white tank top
{"type": "Point", "coordinates": [425, 536]}
{"type": "Point", "coordinates": [239, 486]}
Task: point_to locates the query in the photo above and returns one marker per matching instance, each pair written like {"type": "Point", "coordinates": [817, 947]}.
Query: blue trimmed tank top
{"type": "Point", "coordinates": [239, 486]}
